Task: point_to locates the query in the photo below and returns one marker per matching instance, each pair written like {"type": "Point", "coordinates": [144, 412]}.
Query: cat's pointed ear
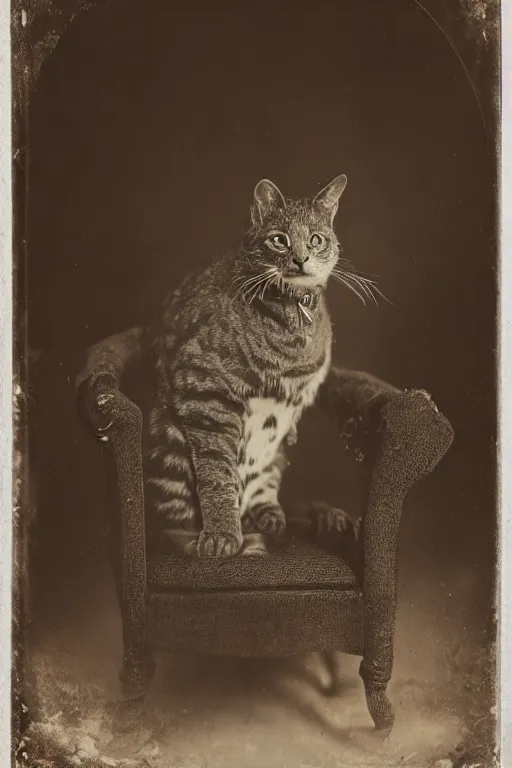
{"type": "Point", "coordinates": [267, 197]}
{"type": "Point", "coordinates": [329, 197]}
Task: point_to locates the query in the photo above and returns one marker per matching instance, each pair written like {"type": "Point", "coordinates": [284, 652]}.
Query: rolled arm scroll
{"type": "Point", "coordinates": [106, 363]}
{"type": "Point", "coordinates": [356, 395]}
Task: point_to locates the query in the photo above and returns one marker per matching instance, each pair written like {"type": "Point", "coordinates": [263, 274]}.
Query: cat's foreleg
{"type": "Point", "coordinates": [213, 443]}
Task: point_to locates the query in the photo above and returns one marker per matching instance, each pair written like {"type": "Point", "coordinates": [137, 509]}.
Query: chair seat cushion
{"type": "Point", "coordinates": [290, 564]}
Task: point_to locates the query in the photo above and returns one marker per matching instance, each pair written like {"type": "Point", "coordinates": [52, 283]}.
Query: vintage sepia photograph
{"type": "Point", "coordinates": [256, 261]}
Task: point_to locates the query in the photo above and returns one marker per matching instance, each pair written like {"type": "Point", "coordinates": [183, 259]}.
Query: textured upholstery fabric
{"type": "Point", "coordinates": [271, 622]}
{"type": "Point", "coordinates": [292, 564]}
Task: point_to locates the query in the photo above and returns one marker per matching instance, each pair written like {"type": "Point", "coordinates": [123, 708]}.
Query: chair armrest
{"type": "Point", "coordinates": [356, 396]}
{"type": "Point", "coordinates": [117, 422]}
{"type": "Point", "coordinates": [408, 436]}
{"type": "Point", "coordinates": [108, 359]}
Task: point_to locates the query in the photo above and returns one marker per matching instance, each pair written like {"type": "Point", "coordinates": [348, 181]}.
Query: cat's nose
{"type": "Point", "coordinates": [299, 260]}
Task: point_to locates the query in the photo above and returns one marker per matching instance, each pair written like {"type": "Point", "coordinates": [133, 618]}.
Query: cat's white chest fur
{"type": "Point", "coordinates": [267, 422]}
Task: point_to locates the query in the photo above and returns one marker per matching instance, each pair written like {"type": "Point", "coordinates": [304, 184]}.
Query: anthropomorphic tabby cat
{"type": "Point", "coordinates": [242, 349]}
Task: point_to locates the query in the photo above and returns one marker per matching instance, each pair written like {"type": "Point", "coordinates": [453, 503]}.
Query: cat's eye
{"type": "Point", "coordinates": [279, 240]}
{"type": "Point", "coordinates": [317, 240]}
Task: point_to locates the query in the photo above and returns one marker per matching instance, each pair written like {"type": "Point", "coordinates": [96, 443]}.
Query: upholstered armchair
{"type": "Point", "coordinates": [320, 588]}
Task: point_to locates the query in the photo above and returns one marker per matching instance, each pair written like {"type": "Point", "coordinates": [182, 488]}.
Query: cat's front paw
{"type": "Point", "coordinates": [271, 521]}
{"type": "Point", "coordinates": [220, 544]}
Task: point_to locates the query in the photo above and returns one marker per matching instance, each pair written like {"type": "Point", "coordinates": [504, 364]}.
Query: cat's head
{"type": "Point", "coordinates": [295, 238]}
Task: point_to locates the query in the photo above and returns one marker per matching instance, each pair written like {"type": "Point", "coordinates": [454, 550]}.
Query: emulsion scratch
{"type": "Point", "coordinates": [18, 406]}
{"type": "Point", "coordinates": [484, 6]}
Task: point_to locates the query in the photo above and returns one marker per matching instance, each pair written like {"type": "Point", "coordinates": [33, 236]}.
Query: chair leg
{"type": "Point", "coordinates": [332, 688]}
{"type": "Point", "coordinates": [379, 705]}
{"type": "Point", "coordinates": [136, 675]}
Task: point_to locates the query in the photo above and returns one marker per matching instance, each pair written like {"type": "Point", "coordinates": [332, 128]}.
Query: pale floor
{"type": "Point", "coordinates": [227, 713]}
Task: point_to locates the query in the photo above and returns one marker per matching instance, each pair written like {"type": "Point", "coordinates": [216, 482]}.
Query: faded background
{"type": "Point", "coordinates": [150, 126]}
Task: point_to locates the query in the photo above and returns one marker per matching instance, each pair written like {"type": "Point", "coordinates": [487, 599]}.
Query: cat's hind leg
{"type": "Point", "coordinates": [330, 520]}
{"type": "Point", "coordinates": [170, 484]}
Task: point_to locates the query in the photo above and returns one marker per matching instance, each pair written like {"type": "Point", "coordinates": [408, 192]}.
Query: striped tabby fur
{"type": "Point", "coordinates": [242, 349]}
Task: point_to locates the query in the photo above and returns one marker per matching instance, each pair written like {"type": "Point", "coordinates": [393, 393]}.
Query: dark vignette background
{"type": "Point", "coordinates": [150, 125]}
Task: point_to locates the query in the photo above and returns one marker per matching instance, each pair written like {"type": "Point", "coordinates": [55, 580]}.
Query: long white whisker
{"type": "Point", "coordinates": [252, 292]}
{"type": "Point", "coordinates": [251, 289]}
{"type": "Point", "coordinates": [255, 290]}
{"type": "Point", "coordinates": [349, 286]}
{"type": "Point", "coordinates": [372, 287]}
{"type": "Point", "coordinates": [365, 283]}
{"type": "Point", "coordinates": [345, 265]}
{"type": "Point", "coordinates": [250, 278]}
{"type": "Point", "coordinates": [250, 281]}
{"type": "Point", "coordinates": [255, 284]}
{"type": "Point", "coordinates": [357, 276]}
{"type": "Point", "coordinates": [382, 294]}
{"type": "Point", "coordinates": [351, 277]}
{"type": "Point", "coordinates": [254, 278]}
{"type": "Point", "coordinates": [362, 284]}
{"type": "Point", "coordinates": [268, 282]}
